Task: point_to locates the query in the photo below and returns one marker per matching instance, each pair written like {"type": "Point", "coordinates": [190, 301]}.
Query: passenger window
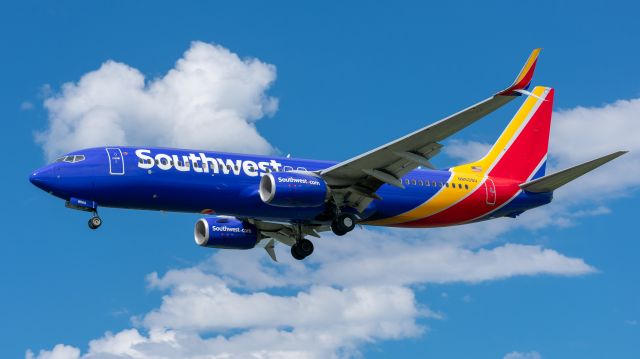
{"type": "Point", "coordinates": [420, 183]}
{"type": "Point", "coordinates": [406, 181]}
{"type": "Point", "coordinates": [413, 182]}
{"type": "Point", "coordinates": [466, 186]}
{"type": "Point", "coordinates": [447, 184]}
{"type": "Point", "coordinates": [196, 165]}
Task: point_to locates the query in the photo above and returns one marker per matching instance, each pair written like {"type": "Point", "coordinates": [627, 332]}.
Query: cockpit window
{"type": "Point", "coordinates": [70, 159]}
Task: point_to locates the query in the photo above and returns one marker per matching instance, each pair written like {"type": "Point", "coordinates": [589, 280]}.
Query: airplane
{"type": "Point", "coordinates": [257, 201]}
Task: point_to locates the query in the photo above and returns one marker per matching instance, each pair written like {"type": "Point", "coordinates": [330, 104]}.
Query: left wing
{"type": "Point", "coordinates": [354, 182]}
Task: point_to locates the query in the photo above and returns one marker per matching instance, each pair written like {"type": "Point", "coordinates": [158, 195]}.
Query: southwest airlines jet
{"type": "Point", "coordinates": [251, 201]}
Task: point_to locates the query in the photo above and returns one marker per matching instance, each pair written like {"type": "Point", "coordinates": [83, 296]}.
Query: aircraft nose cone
{"type": "Point", "coordinates": [42, 179]}
{"type": "Point", "coordinates": [33, 178]}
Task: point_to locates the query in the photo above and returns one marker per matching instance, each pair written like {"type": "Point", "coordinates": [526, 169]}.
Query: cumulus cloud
{"type": "Point", "coordinates": [343, 297]}
{"type": "Point", "coordinates": [523, 355]}
{"type": "Point", "coordinates": [466, 151]}
{"type": "Point", "coordinates": [239, 303]}
{"type": "Point", "coordinates": [210, 99]}
{"type": "Point", "coordinates": [60, 351]}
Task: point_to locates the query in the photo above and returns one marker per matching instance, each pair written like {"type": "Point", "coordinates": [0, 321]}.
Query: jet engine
{"type": "Point", "coordinates": [293, 189]}
{"type": "Point", "coordinates": [225, 232]}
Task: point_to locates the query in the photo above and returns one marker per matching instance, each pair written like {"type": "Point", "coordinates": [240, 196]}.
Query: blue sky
{"type": "Point", "coordinates": [348, 77]}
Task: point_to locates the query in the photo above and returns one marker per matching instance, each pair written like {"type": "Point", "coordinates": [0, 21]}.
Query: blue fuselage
{"type": "Point", "coordinates": [221, 183]}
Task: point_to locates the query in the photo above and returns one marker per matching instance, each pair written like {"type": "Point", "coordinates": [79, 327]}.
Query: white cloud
{"type": "Point", "coordinates": [209, 100]}
{"type": "Point", "coordinates": [351, 291]}
{"type": "Point", "coordinates": [26, 105]}
{"type": "Point", "coordinates": [583, 133]}
{"type": "Point", "coordinates": [58, 352]}
{"type": "Point", "coordinates": [390, 310]}
{"type": "Point", "coordinates": [466, 151]}
{"type": "Point", "coordinates": [341, 298]}
{"type": "Point", "coordinates": [523, 355]}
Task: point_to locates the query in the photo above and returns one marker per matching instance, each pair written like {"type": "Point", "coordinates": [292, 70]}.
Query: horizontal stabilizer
{"type": "Point", "coordinates": [553, 181]}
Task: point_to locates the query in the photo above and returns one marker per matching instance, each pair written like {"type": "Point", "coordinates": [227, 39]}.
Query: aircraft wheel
{"type": "Point", "coordinates": [302, 249]}
{"type": "Point", "coordinates": [295, 254]}
{"type": "Point", "coordinates": [343, 224]}
{"type": "Point", "coordinates": [95, 222]}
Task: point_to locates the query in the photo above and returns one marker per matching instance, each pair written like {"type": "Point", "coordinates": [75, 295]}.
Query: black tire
{"type": "Point", "coordinates": [295, 254]}
{"type": "Point", "coordinates": [337, 231]}
{"type": "Point", "coordinates": [95, 222]}
{"type": "Point", "coordinates": [302, 249]}
{"type": "Point", "coordinates": [305, 247]}
{"type": "Point", "coordinates": [343, 224]}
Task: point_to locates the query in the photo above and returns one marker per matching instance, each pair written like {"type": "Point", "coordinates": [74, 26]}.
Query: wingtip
{"type": "Point", "coordinates": [523, 80]}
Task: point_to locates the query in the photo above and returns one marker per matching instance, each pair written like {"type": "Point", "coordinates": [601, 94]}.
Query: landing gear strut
{"type": "Point", "coordinates": [95, 221]}
{"type": "Point", "coordinates": [343, 224]}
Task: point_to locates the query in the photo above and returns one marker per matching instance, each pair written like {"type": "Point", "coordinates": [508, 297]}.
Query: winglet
{"type": "Point", "coordinates": [523, 80]}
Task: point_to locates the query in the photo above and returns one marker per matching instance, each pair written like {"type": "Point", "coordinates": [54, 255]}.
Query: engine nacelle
{"type": "Point", "coordinates": [293, 189]}
{"type": "Point", "coordinates": [225, 232]}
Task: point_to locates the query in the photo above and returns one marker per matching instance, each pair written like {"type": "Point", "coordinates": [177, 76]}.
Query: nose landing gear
{"type": "Point", "coordinates": [95, 221]}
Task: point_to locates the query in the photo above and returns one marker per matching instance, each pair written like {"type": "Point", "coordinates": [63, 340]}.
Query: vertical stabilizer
{"type": "Point", "coordinates": [520, 153]}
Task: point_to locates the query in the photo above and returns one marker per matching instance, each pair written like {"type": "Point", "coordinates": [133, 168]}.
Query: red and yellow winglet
{"type": "Point", "coordinates": [524, 77]}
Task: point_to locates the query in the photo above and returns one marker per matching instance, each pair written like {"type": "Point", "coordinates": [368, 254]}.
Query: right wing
{"type": "Point", "coordinates": [355, 181]}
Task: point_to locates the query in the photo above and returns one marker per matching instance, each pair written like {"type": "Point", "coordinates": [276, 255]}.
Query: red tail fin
{"type": "Point", "coordinates": [521, 151]}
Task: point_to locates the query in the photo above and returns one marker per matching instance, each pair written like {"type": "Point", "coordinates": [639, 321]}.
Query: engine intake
{"type": "Point", "coordinates": [293, 189]}
{"type": "Point", "coordinates": [225, 232]}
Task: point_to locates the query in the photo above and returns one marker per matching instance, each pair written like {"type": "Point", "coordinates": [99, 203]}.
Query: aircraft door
{"type": "Point", "coordinates": [116, 161]}
{"type": "Point", "coordinates": [490, 188]}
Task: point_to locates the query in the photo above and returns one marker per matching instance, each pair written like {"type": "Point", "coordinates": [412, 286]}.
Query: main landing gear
{"type": "Point", "coordinates": [343, 224]}
{"type": "Point", "coordinates": [303, 247]}
{"type": "Point", "coordinates": [95, 221]}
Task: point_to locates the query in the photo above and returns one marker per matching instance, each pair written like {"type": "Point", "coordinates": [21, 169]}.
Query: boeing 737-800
{"type": "Point", "coordinates": [251, 200]}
